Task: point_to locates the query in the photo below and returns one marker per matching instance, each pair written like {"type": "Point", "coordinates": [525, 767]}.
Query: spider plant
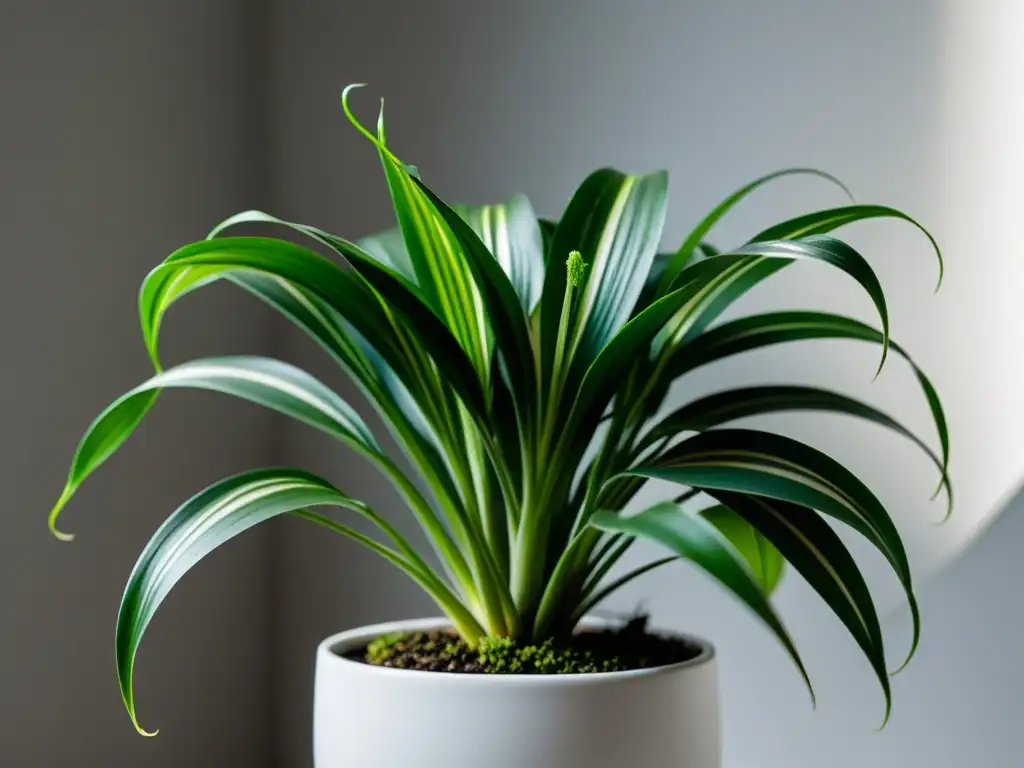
{"type": "Point", "coordinates": [521, 365]}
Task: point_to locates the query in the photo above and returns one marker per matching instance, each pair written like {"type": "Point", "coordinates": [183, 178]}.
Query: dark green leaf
{"type": "Point", "coordinates": [658, 268]}
{"type": "Point", "coordinates": [502, 304]}
{"type": "Point", "coordinates": [816, 247]}
{"type": "Point", "coordinates": [217, 515]}
{"type": "Point", "coordinates": [681, 258]}
{"type": "Point", "coordinates": [442, 274]}
{"type": "Point", "coordinates": [267, 382]}
{"type": "Point", "coordinates": [547, 233]}
{"type": "Point", "coordinates": [730, 405]}
{"type": "Point", "coordinates": [822, 222]}
{"type": "Point", "coordinates": [760, 463]}
{"type": "Point", "coordinates": [810, 545]}
{"type": "Point", "coordinates": [765, 330]}
{"type": "Point", "coordinates": [699, 542]}
{"type": "Point", "coordinates": [615, 222]}
{"type": "Point", "coordinates": [348, 294]}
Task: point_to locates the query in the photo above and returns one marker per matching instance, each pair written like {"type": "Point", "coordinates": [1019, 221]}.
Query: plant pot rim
{"type": "Point", "coordinates": [330, 651]}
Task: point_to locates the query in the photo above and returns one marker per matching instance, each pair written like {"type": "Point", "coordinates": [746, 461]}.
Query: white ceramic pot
{"type": "Point", "coordinates": [376, 717]}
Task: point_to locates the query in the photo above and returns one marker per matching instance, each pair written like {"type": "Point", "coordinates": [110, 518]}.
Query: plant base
{"type": "Point", "coordinates": [369, 715]}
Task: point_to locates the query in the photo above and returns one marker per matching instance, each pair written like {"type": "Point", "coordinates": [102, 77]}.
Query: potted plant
{"type": "Point", "coordinates": [521, 365]}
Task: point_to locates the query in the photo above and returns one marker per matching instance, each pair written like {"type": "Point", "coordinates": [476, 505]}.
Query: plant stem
{"type": "Point", "coordinates": [448, 550]}
{"type": "Point", "coordinates": [606, 561]}
{"type": "Point", "coordinates": [551, 600]}
{"type": "Point", "coordinates": [462, 619]}
{"type": "Point", "coordinates": [589, 602]}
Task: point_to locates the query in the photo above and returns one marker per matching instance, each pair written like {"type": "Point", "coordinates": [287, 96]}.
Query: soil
{"type": "Point", "coordinates": [616, 650]}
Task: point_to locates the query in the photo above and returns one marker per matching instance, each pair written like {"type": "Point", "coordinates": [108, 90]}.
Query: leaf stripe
{"type": "Point", "coordinates": [696, 540]}
{"type": "Point", "coordinates": [220, 513]}
{"type": "Point", "coordinates": [764, 464]}
{"type": "Point", "coordinates": [813, 548]}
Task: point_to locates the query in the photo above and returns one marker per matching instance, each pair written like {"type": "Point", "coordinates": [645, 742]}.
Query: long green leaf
{"type": "Point", "coordinates": [359, 303]}
{"type": "Point", "coordinates": [699, 542]}
{"type": "Point", "coordinates": [378, 381]}
{"type": "Point", "coordinates": [442, 273]}
{"type": "Point", "coordinates": [264, 381]}
{"type": "Point", "coordinates": [822, 222]}
{"type": "Point", "coordinates": [758, 331]}
{"type": "Point", "coordinates": [347, 293]}
{"type": "Point", "coordinates": [510, 231]}
{"type": "Point", "coordinates": [760, 463]}
{"type": "Point", "coordinates": [547, 234]}
{"type": "Point", "coordinates": [762, 557]}
{"type": "Point", "coordinates": [779, 253]}
{"type": "Point", "coordinates": [731, 405]}
{"type": "Point", "coordinates": [509, 320]}
{"type": "Point", "coordinates": [681, 258]}
{"type": "Point", "coordinates": [388, 391]}
{"type": "Point", "coordinates": [615, 221]}
{"type": "Point", "coordinates": [659, 267]}
{"type": "Point", "coordinates": [220, 513]}
{"type": "Point", "coordinates": [460, 420]}
{"type": "Point", "coordinates": [804, 226]}
{"type": "Point", "coordinates": [605, 374]}
{"type": "Point", "coordinates": [700, 288]}
{"type": "Point", "coordinates": [819, 555]}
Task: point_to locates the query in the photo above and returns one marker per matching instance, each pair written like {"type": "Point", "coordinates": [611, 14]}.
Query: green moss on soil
{"type": "Point", "coordinates": [588, 652]}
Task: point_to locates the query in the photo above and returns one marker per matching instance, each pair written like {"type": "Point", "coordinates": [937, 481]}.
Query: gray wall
{"type": "Point", "coordinates": [125, 131]}
{"type": "Point", "coordinates": [135, 130]}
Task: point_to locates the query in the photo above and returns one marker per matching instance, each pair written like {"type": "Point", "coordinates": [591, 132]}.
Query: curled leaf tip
{"type": "Point", "coordinates": [881, 363]}
{"type": "Point", "coordinates": [885, 720]}
{"type": "Point", "coordinates": [351, 117]}
{"type": "Point", "coordinates": [575, 267]}
{"type": "Point", "coordinates": [901, 667]}
{"type": "Point", "coordinates": [130, 706]}
{"type": "Point", "coordinates": [944, 483]}
{"type": "Point", "coordinates": [916, 616]}
{"type": "Point", "coordinates": [55, 513]}
{"type": "Point", "coordinates": [142, 731]}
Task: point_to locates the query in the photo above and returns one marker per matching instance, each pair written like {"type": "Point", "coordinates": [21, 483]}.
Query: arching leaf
{"type": "Point", "coordinates": [699, 542]}
{"type": "Point", "coordinates": [270, 383]}
{"type": "Point", "coordinates": [764, 560]}
{"type": "Point", "coordinates": [760, 463]}
{"type": "Point", "coordinates": [759, 331]}
{"type": "Point", "coordinates": [731, 405]}
{"type": "Point", "coordinates": [683, 257]}
{"type": "Point", "coordinates": [819, 555]}
{"type": "Point", "coordinates": [220, 513]}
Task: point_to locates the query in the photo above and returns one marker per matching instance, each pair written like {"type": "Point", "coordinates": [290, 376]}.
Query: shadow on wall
{"type": "Point", "coordinates": [123, 132]}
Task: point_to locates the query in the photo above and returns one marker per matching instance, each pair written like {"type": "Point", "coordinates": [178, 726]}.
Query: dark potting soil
{"type": "Point", "coordinates": [615, 650]}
